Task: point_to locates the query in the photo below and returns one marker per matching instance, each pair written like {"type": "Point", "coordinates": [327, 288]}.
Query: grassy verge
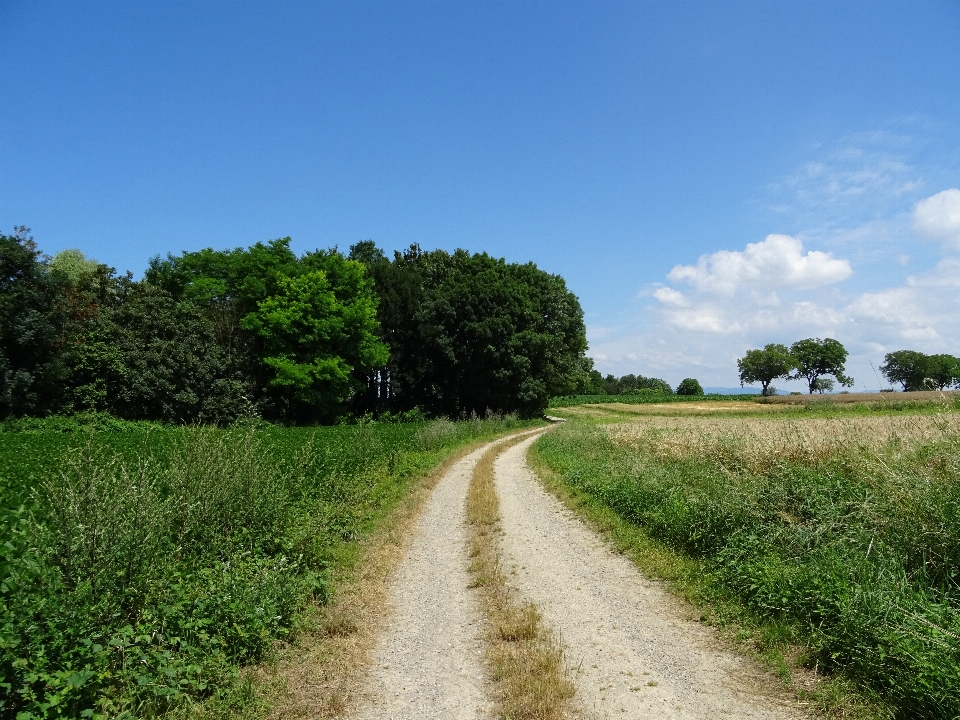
{"type": "Point", "coordinates": [143, 565]}
{"type": "Point", "coordinates": [837, 555]}
{"type": "Point", "coordinates": [525, 658]}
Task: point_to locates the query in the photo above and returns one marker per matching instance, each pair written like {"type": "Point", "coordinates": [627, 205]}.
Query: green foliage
{"type": "Point", "coordinates": [317, 330]}
{"type": "Point", "coordinates": [634, 384]}
{"type": "Point", "coordinates": [814, 357]}
{"type": "Point", "coordinates": [854, 552]}
{"type": "Point", "coordinates": [469, 333]}
{"type": "Point", "coordinates": [689, 386]}
{"type": "Point", "coordinates": [766, 365]}
{"type": "Point", "coordinates": [31, 327]}
{"type": "Point", "coordinates": [917, 371]}
{"type": "Point", "coordinates": [143, 565]}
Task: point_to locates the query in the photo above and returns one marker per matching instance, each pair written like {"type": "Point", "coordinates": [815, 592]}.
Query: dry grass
{"type": "Point", "coordinates": [756, 443]}
{"type": "Point", "coordinates": [319, 675]}
{"type": "Point", "coordinates": [525, 657]}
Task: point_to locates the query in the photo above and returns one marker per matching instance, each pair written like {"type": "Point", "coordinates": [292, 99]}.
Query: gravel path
{"type": "Point", "coordinates": [429, 661]}
{"type": "Point", "coordinates": [636, 653]}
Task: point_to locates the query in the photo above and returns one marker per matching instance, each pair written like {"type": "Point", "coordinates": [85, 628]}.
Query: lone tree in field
{"type": "Point", "coordinates": [689, 386]}
{"type": "Point", "coordinates": [765, 366]}
{"type": "Point", "coordinates": [814, 358]}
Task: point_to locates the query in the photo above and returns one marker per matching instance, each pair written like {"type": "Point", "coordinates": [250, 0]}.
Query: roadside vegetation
{"type": "Point", "coordinates": [144, 565]}
{"type": "Point", "coordinates": [829, 535]}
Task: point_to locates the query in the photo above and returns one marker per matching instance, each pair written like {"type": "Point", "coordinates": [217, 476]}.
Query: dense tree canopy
{"type": "Point", "coordinates": [815, 358]}
{"type": "Point", "coordinates": [470, 333]}
{"type": "Point", "coordinates": [917, 371]}
{"type": "Point", "coordinates": [689, 386]}
{"type": "Point", "coordinates": [766, 365]}
{"type": "Point", "coordinates": [215, 335]}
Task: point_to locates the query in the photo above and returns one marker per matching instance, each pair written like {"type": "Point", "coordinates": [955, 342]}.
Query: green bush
{"type": "Point", "coordinates": [141, 569]}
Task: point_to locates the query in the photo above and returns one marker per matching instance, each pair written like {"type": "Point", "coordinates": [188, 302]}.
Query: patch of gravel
{"type": "Point", "coordinates": [634, 650]}
{"type": "Point", "coordinates": [429, 661]}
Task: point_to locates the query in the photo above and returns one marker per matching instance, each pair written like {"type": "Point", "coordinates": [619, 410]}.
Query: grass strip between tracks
{"type": "Point", "coordinates": [526, 658]}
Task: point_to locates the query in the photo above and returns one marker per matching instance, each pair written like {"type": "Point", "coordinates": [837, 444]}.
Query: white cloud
{"type": "Point", "coordinates": [778, 262]}
{"type": "Point", "coordinates": [938, 217]}
{"type": "Point", "coordinates": [669, 296]}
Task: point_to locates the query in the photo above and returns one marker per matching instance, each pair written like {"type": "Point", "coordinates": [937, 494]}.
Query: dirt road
{"type": "Point", "coordinates": [634, 653]}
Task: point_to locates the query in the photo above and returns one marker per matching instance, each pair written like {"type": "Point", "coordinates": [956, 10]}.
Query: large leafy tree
{"type": "Point", "coordinates": [941, 371]}
{"type": "Point", "coordinates": [32, 324]}
{"type": "Point", "coordinates": [815, 358]}
{"type": "Point", "coordinates": [766, 365]}
{"type": "Point", "coordinates": [468, 333]}
{"type": "Point", "coordinates": [317, 330]}
{"type": "Point", "coordinates": [906, 367]}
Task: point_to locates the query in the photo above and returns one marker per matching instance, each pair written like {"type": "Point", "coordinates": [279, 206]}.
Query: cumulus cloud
{"type": "Point", "coordinates": [776, 262]}
{"type": "Point", "coordinates": [938, 217]}
{"type": "Point", "coordinates": [669, 296]}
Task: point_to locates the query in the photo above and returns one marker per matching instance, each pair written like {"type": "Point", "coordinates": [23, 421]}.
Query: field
{"type": "Point", "coordinates": [145, 564]}
{"type": "Point", "coordinates": [830, 534]}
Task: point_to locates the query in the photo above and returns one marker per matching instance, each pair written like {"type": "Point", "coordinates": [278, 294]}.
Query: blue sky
{"type": "Point", "coordinates": [707, 176]}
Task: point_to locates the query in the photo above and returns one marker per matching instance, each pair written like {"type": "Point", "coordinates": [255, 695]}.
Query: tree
{"type": "Point", "coordinates": [906, 367]}
{"type": "Point", "coordinates": [469, 333]}
{"type": "Point", "coordinates": [814, 357]}
{"type": "Point", "coordinates": [689, 386]}
{"type": "Point", "coordinates": [317, 330]}
{"type": "Point", "coordinates": [822, 385]}
{"type": "Point", "coordinates": [766, 365]}
{"type": "Point", "coordinates": [32, 323]}
{"type": "Point", "coordinates": [941, 370]}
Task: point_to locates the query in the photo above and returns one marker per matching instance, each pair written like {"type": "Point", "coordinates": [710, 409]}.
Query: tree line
{"type": "Point", "coordinates": [217, 335]}
{"type": "Point", "coordinates": [593, 383]}
{"type": "Point", "coordinates": [813, 360]}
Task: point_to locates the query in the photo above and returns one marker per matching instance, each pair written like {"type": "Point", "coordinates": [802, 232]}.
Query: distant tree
{"type": "Point", "coordinates": [611, 384]}
{"type": "Point", "coordinates": [655, 384]}
{"type": "Point", "coordinates": [814, 358]}
{"type": "Point", "coordinates": [689, 386]}
{"type": "Point", "coordinates": [906, 367]}
{"type": "Point", "coordinates": [766, 365]}
{"type": "Point", "coordinates": [942, 370]}
{"type": "Point", "coordinates": [589, 381]}
{"type": "Point", "coordinates": [822, 385]}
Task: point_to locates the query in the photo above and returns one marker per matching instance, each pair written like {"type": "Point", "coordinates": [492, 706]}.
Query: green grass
{"type": "Point", "coordinates": [852, 554]}
{"type": "Point", "coordinates": [143, 565]}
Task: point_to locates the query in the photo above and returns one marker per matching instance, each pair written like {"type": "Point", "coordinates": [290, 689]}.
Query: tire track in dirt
{"type": "Point", "coordinates": [634, 650]}
{"type": "Point", "coordinates": [428, 663]}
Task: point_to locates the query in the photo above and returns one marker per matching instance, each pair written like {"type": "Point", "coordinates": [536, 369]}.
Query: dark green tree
{"type": "Point", "coordinates": [468, 333]}
{"type": "Point", "coordinates": [689, 386]}
{"type": "Point", "coordinates": [32, 326]}
{"type": "Point", "coordinates": [766, 365]}
{"type": "Point", "coordinates": [941, 371]}
{"type": "Point", "coordinates": [814, 358]}
{"type": "Point", "coordinates": [906, 367]}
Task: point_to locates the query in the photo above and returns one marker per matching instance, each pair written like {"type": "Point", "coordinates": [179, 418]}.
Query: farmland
{"type": "Point", "coordinates": [146, 563]}
{"type": "Point", "coordinates": [827, 535]}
